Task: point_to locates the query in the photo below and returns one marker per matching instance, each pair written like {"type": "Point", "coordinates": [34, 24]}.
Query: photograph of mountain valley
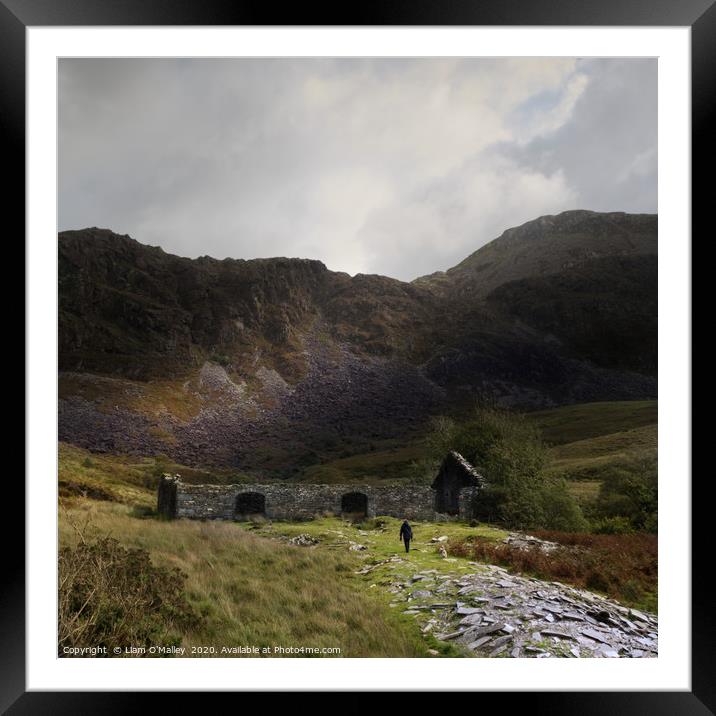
{"type": "Point", "coordinates": [357, 358]}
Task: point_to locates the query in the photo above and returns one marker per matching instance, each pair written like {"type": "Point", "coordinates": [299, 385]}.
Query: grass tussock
{"type": "Point", "coordinates": [111, 596]}
{"type": "Point", "coordinates": [253, 591]}
{"type": "Point", "coordinates": [623, 566]}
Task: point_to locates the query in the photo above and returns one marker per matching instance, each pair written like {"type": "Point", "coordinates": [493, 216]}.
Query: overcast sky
{"type": "Point", "coordinates": [393, 166]}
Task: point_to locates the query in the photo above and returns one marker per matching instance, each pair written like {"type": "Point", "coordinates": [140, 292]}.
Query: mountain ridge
{"type": "Point", "coordinates": [285, 351]}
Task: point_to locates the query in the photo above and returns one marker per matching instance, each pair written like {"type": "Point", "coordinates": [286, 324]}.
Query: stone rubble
{"type": "Point", "coordinates": [341, 392]}
{"type": "Point", "coordinates": [526, 542]}
{"type": "Point", "coordinates": [356, 547]}
{"type": "Point", "coordinates": [496, 614]}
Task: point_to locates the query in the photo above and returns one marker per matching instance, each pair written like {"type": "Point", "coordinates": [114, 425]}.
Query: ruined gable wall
{"type": "Point", "coordinates": [465, 502]}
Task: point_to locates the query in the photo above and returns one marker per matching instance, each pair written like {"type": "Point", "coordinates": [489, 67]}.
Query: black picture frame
{"type": "Point", "coordinates": [17, 15]}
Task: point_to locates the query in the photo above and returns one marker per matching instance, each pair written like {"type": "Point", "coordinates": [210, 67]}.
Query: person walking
{"type": "Point", "coordinates": [406, 534]}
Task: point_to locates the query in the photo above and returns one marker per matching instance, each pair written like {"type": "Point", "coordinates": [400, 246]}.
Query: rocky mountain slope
{"type": "Point", "coordinates": [271, 364]}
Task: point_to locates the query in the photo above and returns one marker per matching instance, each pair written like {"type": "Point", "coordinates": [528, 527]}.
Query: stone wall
{"type": "Point", "coordinates": [466, 501]}
{"type": "Point", "coordinates": [167, 495]}
{"type": "Point", "coordinates": [283, 501]}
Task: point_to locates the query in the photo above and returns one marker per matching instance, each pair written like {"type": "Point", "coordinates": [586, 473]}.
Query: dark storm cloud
{"type": "Point", "coordinates": [399, 167]}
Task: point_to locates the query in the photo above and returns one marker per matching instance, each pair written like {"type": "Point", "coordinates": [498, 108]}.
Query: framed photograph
{"type": "Point", "coordinates": [365, 339]}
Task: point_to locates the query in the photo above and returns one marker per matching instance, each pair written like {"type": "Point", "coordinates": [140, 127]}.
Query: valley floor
{"type": "Point", "coordinates": [481, 609]}
{"type": "Point", "coordinates": [350, 590]}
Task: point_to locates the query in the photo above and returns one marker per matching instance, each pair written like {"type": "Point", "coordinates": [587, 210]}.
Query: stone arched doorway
{"type": "Point", "coordinates": [249, 504]}
{"type": "Point", "coordinates": [354, 504]}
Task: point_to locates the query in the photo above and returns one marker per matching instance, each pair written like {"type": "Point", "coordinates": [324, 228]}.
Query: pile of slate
{"type": "Point", "coordinates": [492, 613]}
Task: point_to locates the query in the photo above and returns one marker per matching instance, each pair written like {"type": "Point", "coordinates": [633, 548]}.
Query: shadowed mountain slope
{"type": "Point", "coordinates": [272, 364]}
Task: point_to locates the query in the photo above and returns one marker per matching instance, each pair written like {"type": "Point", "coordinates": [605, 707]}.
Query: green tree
{"type": "Point", "coordinates": [508, 450]}
{"type": "Point", "coordinates": [561, 511]}
{"type": "Point", "coordinates": [630, 491]}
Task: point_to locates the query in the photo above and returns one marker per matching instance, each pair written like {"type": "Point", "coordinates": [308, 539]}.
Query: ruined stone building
{"type": "Point", "coordinates": [456, 479]}
{"type": "Point", "coordinates": [451, 495]}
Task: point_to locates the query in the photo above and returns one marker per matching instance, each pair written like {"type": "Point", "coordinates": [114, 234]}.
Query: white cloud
{"type": "Point", "coordinates": [436, 229]}
{"type": "Point", "coordinates": [399, 166]}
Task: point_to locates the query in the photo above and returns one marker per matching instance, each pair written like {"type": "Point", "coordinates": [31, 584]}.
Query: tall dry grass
{"type": "Point", "coordinates": [111, 596]}
{"type": "Point", "coordinates": [253, 591]}
{"type": "Point", "coordinates": [623, 567]}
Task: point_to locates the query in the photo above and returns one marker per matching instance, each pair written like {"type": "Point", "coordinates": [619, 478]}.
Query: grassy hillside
{"type": "Point", "coordinates": [587, 420]}
{"type": "Point", "coordinates": [589, 457]}
{"type": "Point", "coordinates": [231, 582]}
{"type": "Point", "coordinates": [126, 479]}
{"type": "Point", "coordinates": [389, 462]}
{"type": "Point", "coordinates": [584, 439]}
{"type": "Point", "coordinates": [590, 442]}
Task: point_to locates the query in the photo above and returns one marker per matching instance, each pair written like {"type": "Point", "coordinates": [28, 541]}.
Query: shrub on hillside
{"type": "Point", "coordinates": [508, 450]}
{"type": "Point", "coordinates": [112, 596]}
{"type": "Point", "coordinates": [221, 359]}
{"type": "Point", "coordinates": [629, 493]}
{"type": "Point", "coordinates": [618, 525]}
{"type": "Point", "coordinates": [561, 511]}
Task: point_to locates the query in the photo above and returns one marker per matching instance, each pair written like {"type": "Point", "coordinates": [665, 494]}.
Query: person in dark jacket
{"type": "Point", "coordinates": [406, 534]}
